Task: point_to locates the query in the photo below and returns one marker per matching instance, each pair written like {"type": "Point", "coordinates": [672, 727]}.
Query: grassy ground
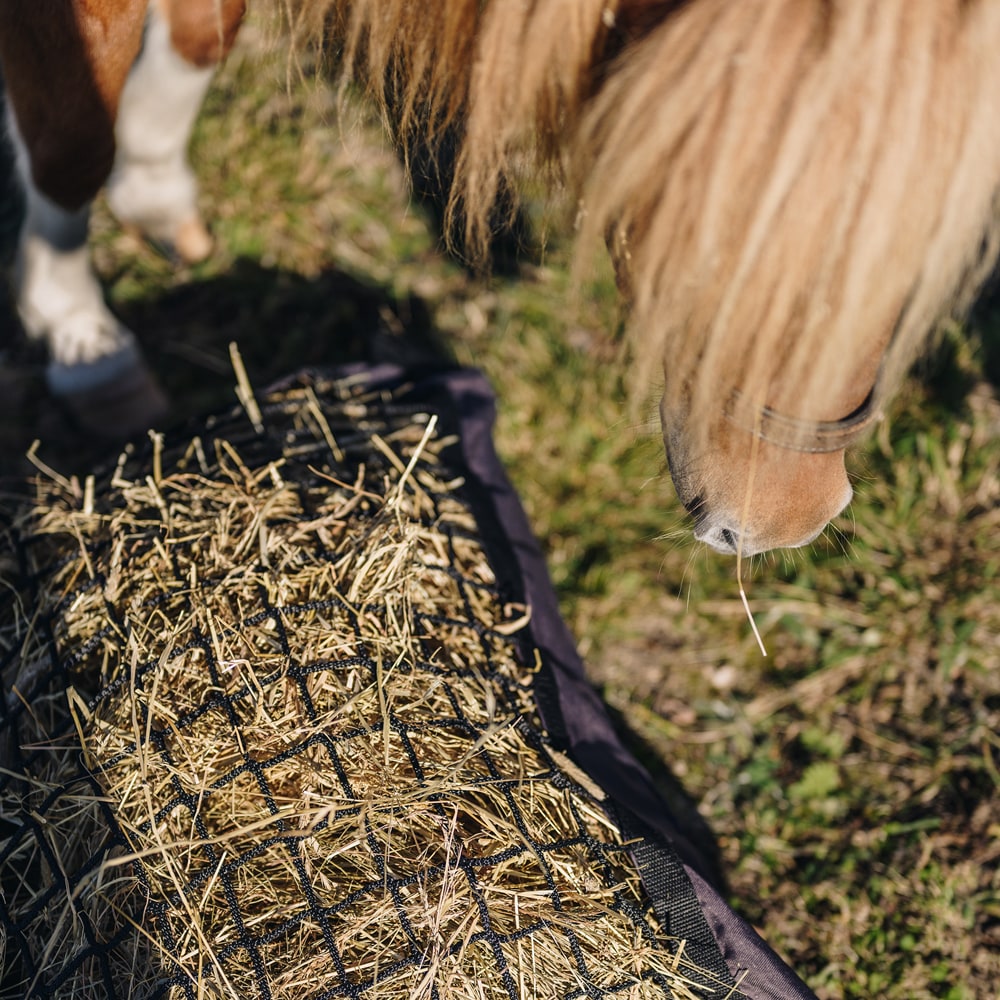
{"type": "Point", "coordinates": [852, 778]}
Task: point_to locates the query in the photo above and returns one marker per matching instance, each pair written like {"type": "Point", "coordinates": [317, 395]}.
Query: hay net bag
{"type": "Point", "coordinates": [289, 711]}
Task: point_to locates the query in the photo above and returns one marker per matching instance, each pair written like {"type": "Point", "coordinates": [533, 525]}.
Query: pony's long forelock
{"type": "Point", "coordinates": [788, 185]}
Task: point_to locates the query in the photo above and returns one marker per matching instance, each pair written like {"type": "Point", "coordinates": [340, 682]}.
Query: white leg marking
{"type": "Point", "coordinates": [58, 294]}
{"type": "Point", "coordinates": [152, 185]}
{"type": "Point", "coordinates": [95, 364]}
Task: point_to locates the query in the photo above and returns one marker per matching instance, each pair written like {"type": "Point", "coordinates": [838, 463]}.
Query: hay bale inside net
{"type": "Point", "coordinates": [269, 730]}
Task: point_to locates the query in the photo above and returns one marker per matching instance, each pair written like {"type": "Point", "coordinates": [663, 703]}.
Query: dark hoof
{"type": "Point", "coordinates": [114, 398]}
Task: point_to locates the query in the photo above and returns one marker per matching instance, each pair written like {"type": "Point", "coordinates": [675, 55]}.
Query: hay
{"type": "Point", "coordinates": [271, 732]}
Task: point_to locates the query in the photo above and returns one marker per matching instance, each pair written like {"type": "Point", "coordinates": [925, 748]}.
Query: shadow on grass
{"type": "Point", "coordinates": [281, 322]}
{"type": "Point", "coordinates": [702, 844]}
{"type": "Point", "coordinates": [986, 318]}
{"type": "Point", "coordinates": [963, 357]}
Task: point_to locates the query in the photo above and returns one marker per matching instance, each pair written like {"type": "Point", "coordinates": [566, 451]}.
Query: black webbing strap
{"type": "Point", "coordinates": [676, 904]}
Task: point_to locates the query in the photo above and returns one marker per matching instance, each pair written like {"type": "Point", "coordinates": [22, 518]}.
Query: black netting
{"type": "Point", "coordinates": [269, 730]}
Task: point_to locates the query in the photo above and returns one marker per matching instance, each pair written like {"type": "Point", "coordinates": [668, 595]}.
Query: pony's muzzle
{"type": "Point", "coordinates": [780, 517]}
{"type": "Point", "coordinates": [792, 495]}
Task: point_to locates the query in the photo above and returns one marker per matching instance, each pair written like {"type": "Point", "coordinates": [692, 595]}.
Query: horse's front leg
{"type": "Point", "coordinates": [152, 186]}
{"type": "Point", "coordinates": [64, 67]}
{"type": "Point", "coordinates": [95, 364]}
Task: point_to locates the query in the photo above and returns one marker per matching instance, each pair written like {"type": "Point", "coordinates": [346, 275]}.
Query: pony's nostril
{"type": "Point", "coordinates": [694, 506]}
{"type": "Point", "coordinates": [724, 540]}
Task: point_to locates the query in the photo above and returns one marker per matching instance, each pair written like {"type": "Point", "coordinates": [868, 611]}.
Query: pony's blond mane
{"type": "Point", "coordinates": [787, 185]}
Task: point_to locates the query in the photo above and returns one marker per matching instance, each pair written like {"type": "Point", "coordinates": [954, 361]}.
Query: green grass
{"type": "Point", "coordinates": [852, 778]}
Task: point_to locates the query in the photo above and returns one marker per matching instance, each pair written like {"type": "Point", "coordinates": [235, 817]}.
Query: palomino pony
{"type": "Point", "coordinates": [793, 191]}
{"type": "Point", "coordinates": [97, 88]}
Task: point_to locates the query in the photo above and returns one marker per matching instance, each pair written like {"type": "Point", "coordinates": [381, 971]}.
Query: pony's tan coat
{"type": "Point", "coordinates": [794, 190]}
{"type": "Point", "coordinates": [791, 180]}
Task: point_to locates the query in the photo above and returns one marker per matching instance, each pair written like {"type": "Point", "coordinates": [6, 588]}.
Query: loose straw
{"type": "Point", "coordinates": [754, 448]}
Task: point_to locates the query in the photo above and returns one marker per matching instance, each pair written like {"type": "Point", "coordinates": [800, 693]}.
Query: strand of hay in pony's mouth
{"type": "Point", "coordinates": [314, 762]}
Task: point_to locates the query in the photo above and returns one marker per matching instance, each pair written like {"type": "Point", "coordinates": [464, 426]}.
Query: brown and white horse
{"type": "Point", "coordinates": [794, 192]}
{"type": "Point", "coordinates": [104, 91]}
